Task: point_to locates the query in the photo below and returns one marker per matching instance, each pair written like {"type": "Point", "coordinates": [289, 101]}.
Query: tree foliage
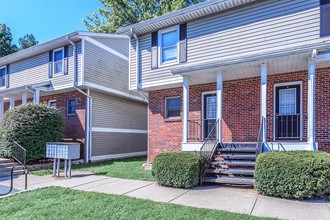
{"type": "Point", "coordinates": [121, 13]}
{"type": "Point", "coordinates": [27, 41]}
{"type": "Point", "coordinates": [6, 38]}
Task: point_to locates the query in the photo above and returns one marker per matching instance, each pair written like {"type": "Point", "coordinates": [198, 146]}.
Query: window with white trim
{"type": "Point", "coordinates": [173, 107]}
{"type": "Point", "coordinates": [168, 45]}
{"type": "Point", "coordinates": [52, 103]}
{"type": "Point", "coordinates": [71, 107]}
{"type": "Point", "coordinates": [3, 71]}
{"type": "Point", "coordinates": [58, 62]}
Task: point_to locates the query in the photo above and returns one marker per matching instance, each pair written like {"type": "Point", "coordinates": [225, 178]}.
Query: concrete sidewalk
{"type": "Point", "coordinates": [239, 200]}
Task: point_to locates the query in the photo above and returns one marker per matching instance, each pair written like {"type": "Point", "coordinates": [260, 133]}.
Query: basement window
{"type": "Point", "coordinates": [52, 103]}
{"type": "Point", "coordinates": [71, 107]}
{"type": "Point", "coordinates": [172, 107]}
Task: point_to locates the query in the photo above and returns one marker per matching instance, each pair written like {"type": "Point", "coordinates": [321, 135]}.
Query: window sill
{"type": "Point", "coordinates": [70, 115]}
{"type": "Point", "coordinates": [173, 119]}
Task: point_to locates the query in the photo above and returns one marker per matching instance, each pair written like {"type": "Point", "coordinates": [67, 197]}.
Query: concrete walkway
{"type": "Point", "coordinates": [239, 200]}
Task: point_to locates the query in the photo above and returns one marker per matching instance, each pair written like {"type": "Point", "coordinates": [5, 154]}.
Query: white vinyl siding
{"type": "Point", "coordinates": [36, 69]}
{"type": "Point", "coordinates": [258, 27]}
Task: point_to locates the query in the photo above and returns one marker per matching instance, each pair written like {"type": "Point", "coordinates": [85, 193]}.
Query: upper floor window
{"type": "Point", "coordinates": [71, 107]}
{"type": "Point", "coordinates": [168, 45]}
{"type": "Point", "coordinates": [3, 71]}
{"type": "Point", "coordinates": [325, 17]}
{"type": "Point", "coordinates": [173, 107]}
{"type": "Point", "coordinates": [58, 56]}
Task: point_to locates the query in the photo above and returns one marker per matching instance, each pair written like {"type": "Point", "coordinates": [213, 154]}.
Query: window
{"type": "Point", "coordinates": [58, 56]}
{"type": "Point", "coordinates": [71, 107]}
{"type": "Point", "coordinates": [3, 76]}
{"type": "Point", "coordinates": [325, 17]}
{"type": "Point", "coordinates": [287, 101]}
{"type": "Point", "coordinates": [173, 107]}
{"type": "Point", "coordinates": [168, 43]}
{"type": "Point", "coordinates": [52, 103]}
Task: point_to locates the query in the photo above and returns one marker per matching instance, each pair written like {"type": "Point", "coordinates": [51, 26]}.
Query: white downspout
{"type": "Point", "coordinates": [88, 104]}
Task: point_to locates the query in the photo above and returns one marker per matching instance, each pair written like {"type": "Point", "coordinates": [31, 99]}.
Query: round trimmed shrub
{"type": "Point", "coordinates": [31, 125]}
{"type": "Point", "coordinates": [293, 174]}
{"type": "Point", "coordinates": [176, 169]}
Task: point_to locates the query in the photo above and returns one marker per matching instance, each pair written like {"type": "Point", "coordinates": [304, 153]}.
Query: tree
{"type": "Point", "coordinates": [121, 13]}
{"type": "Point", "coordinates": [6, 39]}
{"type": "Point", "coordinates": [27, 41]}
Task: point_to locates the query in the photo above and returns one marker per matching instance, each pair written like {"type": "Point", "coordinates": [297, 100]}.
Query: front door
{"type": "Point", "coordinates": [209, 115]}
{"type": "Point", "coordinates": [287, 113]}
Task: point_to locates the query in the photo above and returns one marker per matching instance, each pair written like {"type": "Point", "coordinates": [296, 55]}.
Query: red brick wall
{"type": "Point", "coordinates": [241, 111]}
{"type": "Point", "coordinates": [322, 109]}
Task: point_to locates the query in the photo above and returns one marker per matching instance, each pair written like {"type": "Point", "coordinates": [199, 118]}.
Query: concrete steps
{"type": "Point", "coordinates": [6, 166]}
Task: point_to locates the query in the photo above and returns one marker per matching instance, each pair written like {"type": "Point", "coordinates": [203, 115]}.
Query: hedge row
{"type": "Point", "coordinates": [295, 174]}
{"type": "Point", "coordinates": [176, 169]}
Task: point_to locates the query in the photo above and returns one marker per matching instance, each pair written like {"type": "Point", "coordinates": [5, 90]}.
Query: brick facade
{"type": "Point", "coordinates": [75, 125]}
{"type": "Point", "coordinates": [241, 111]}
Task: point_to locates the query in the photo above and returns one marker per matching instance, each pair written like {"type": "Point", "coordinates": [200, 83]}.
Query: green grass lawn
{"type": "Point", "coordinates": [60, 203]}
{"type": "Point", "coordinates": [124, 168]}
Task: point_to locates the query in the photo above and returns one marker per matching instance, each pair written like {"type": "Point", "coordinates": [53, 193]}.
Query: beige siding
{"type": "Point", "coordinates": [262, 26]}
{"type": "Point", "coordinates": [114, 112]}
{"type": "Point", "coordinates": [36, 69]}
{"type": "Point", "coordinates": [104, 68]}
{"type": "Point", "coordinates": [105, 143]}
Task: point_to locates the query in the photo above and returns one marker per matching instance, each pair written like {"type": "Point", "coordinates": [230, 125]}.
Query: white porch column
{"type": "Point", "coordinates": [219, 105]}
{"type": "Point", "coordinates": [311, 103]}
{"type": "Point", "coordinates": [12, 102]}
{"type": "Point", "coordinates": [185, 108]}
{"type": "Point", "coordinates": [263, 101]}
{"type": "Point", "coordinates": [2, 107]}
{"type": "Point", "coordinates": [37, 96]}
{"type": "Point", "coordinates": [24, 98]}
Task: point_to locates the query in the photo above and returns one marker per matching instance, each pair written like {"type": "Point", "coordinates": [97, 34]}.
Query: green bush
{"type": "Point", "coordinates": [176, 169]}
{"type": "Point", "coordinates": [31, 125]}
{"type": "Point", "coordinates": [293, 174]}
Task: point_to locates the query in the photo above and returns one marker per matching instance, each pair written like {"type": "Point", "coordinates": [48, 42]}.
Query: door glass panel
{"type": "Point", "coordinates": [211, 105]}
{"type": "Point", "coordinates": [287, 101]}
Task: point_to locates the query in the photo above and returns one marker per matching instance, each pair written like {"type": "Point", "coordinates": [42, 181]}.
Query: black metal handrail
{"type": "Point", "coordinates": [19, 155]}
{"type": "Point", "coordinates": [208, 149]}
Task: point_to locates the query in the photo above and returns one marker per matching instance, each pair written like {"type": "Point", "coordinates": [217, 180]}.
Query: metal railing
{"type": "Point", "coordinates": [288, 127]}
{"type": "Point", "coordinates": [200, 129]}
{"type": "Point", "coordinates": [208, 149]}
{"type": "Point", "coordinates": [19, 155]}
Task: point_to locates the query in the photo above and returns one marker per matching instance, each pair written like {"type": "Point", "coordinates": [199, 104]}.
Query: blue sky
{"type": "Point", "coordinates": [46, 19]}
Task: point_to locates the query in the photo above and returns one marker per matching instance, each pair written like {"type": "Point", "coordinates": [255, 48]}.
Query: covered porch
{"type": "Point", "coordinates": [268, 98]}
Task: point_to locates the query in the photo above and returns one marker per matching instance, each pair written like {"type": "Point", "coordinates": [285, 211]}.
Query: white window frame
{"type": "Point", "coordinates": [160, 33]}
{"type": "Point", "coordinates": [172, 97]}
{"type": "Point", "coordinates": [6, 76]}
{"type": "Point", "coordinates": [54, 51]}
{"type": "Point", "coordinates": [50, 101]}
{"type": "Point", "coordinates": [67, 106]}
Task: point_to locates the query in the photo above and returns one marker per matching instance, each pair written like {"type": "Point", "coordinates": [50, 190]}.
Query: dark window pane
{"type": "Point", "coordinates": [71, 106]}
{"type": "Point", "coordinates": [325, 20]}
{"type": "Point", "coordinates": [324, 2]}
{"type": "Point", "coordinates": [173, 107]}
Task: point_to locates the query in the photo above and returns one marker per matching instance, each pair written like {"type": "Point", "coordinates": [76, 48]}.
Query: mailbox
{"type": "Point", "coordinates": [62, 150]}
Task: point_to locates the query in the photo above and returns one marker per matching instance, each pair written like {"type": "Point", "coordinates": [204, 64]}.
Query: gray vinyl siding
{"type": "Point", "coordinates": [36, 69]}
{"type": "Point", "coordinates": [104, 68]}
{"type": "Point", "coordinates": [105, 143]}
{"type": "Point", "coordinates": [258, 27]}
{"type": "Point", "coordinates": [132, 77]}
{"type": "Point", "coordinates": [114, 112]}
{"type": "Point", "coordinates": [119, 45]}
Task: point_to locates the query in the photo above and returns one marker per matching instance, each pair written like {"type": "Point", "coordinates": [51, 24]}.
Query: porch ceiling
{"type": "Point", "coordinates": [284, 64]}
